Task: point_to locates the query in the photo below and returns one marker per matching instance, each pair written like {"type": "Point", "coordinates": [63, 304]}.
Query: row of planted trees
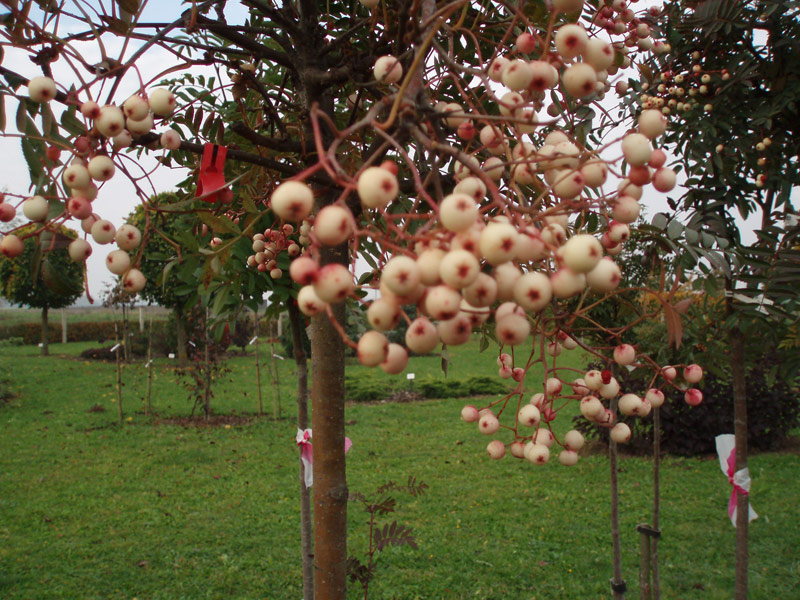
{"type": "Point", "coordinates": [470, 155]}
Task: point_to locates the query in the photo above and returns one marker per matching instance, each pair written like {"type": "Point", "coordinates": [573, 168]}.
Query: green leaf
{"type": "Point", "coordinates": [32, 158]}
{"type": "Point", "coordinates": [57, 281]}
{"type": "Point", "coordinates": [674, 230]}
{"type": "Point", "coordinates": [219, 224]}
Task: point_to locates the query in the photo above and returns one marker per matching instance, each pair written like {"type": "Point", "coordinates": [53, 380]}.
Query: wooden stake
{"type": "Point", "coordinates": [258, 367]}
{"type": "Point", "coordinates": [149, 368]}
{"type": "Point", "coordinates": [119, 373]}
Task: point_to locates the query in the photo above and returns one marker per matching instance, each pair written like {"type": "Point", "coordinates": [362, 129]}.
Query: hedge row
{"type": "Point", "coordinates": [366, 389]}
{"type": "Point", "coordinates": [85, 331]}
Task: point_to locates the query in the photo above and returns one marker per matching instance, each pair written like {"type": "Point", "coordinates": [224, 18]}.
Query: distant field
{"type": "Point", "coordinates": [12, 316]}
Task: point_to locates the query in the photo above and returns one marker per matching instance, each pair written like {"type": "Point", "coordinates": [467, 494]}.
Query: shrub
{"type": "Point", "coordinates": [773, 409]}
{"type": "Point", "coordinates": [365, 389]}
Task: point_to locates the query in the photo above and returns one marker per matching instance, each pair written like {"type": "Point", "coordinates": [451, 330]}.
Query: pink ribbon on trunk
{"type": "Point", "coordinates": [740, 480]}
{"type": "Point", "coordinates": [303, 439]}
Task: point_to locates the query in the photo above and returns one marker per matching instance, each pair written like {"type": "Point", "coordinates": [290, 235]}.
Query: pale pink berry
{"type": "Point", "coordinates": [459, 268]}
{"type": "Point", "coordinates": [134, 281]}
{"type": "Point", "coordinates": [41, 89]}
{"type": "Point", "coordinates": [620, 433]}
{"type": "Point", "coordinates": [334, 283]}
{"type": "Point", "coordinates": [655, 397]}
{"type": "Point", "coordinates": [605, 277]}
{"type": "Point", "coordinates": [11, 246]}
{"type": "Point", "coordinates": [455, 331]}
{"type": "Point", "coordinates": [624, 354]}
{"type": "Point", "coordinates": [469, 414]}
{"type": "Point", "coordinates": [442, 302]}
{"type": "Point", "coordinates": [488, 423]}
{"type": "Point", "coordinates": [377, 187]}
{"type": "Point", "coordinates": [103, 232]}
{"type": "Point", "coordinates": [458, 212]}
{"type": "Point", "coordinates": [592, 408]}
{"type": "Point", "coordinates": [421, 336]}
{"type": "Point", "coordinates": [496, 449]}
{"type": "Point", "coordinates": [118, 261]}
{"type": "Point", "coordinates": [693, 397]}
{"type": "Point", "coordinates": [101, 168]}
{"type": "Point", "coordinates": [574, 440]}
{"type": "Point", "coordinates": [79, 250]}
{"type": "Point", "coordinates": [303, 270]}
{"type": "Point", "coordinates": [292, 201]}
{"type": "Point", "coordinates": [693, 373]}
{"type": "Point", "coordinates": [333, 225]}
{"type": "Point", "coordinates": [388, 69]}
{"type": "Point", "coordinates": [110, 121]}
{"type": "Point", "coordinates": [396, 360]}
{"type": "Point", "coordinates": [162, 102]}
{"type": "Point", "coordinates": [128, 237]}
{"type": "Point", "coordinates": [512, 330]}
{"type": "Point", "coordinates": [570, 40]}
{"type": "Point", "coordinates": [482, 292]}
{"type": "Point", "coordinates": [581, 253]}
{"type": "Point", "coordinates": [383, 314]}
{"type": "Point", "coordinates": [529, 416]}
{"type": "Point", "coordinates": [538, 454]}
{"type": "Point", "coordinates": [373, 348]}
{"type": "Point", "coordinates": [579, 80]}
{"type": "Point", "coordinates": [308, 302]}
{"type": "Point", "coordinates": [498, 242]}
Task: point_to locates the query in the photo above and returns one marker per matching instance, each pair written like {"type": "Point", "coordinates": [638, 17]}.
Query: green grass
{"type": "Point", "coordinates": [92, 510]}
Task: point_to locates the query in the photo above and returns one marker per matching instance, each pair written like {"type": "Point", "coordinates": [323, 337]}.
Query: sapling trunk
{"type": "Point", "coordinates": [656, 499]}
{"type": "Point", "coordinates": [300, 359]}
{"type": "Point", "coordinates": [119, 373]}
{"type": "Point", "coordinates": [330, 479]}
{"type": "Point", "coordinates": [617, 583]}
{"type": "Point", "coordinates": [45, 332]}
{"type": "Point", "coordinates": [276, 383]}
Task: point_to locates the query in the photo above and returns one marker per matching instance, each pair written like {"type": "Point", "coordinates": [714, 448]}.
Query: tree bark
{"type": "Point", "coordinates": [45, 332]}
{"type": "Point", "coordinates": [330, 480]}
{"type": "Point", "coordinates": [735, 338]}
{"type": "Point", "coordinates": [301, 360]}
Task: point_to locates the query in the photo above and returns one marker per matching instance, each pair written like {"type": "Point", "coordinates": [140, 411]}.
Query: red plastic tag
{"type": "Point", "coordinates": [212, 172]}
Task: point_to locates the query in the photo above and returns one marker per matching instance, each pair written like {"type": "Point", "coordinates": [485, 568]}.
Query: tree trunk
{"type": "Point", "coordinates": [300, 359]}
{"type": "Point", "coordinates": [45, 332]}
{"type": "Point", "coordinates": [330, 480]}
{"type": "Point", "coordinates": [740, 433]}
{"type": "Point", "coordinates": [180, 336]}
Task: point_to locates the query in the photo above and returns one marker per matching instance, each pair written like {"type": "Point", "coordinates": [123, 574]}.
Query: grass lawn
{"type": "Point", "coordinates": [157, 511]}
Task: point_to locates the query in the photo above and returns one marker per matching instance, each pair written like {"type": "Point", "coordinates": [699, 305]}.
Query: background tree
{"type": "Point", "coordinates": [732, 84]}
{"type": "Point", "coordinates": [43, 276]}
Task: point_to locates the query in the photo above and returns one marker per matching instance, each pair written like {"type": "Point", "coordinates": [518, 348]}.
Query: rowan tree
{"type": "Point", "coordinates": [463, 152]}
{"type": "Point", "coordinates": [732, 86]}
